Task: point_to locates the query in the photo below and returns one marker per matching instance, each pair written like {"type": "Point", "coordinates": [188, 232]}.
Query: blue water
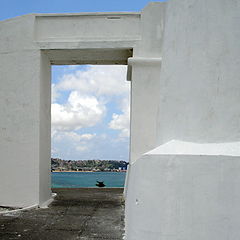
{"type": "Point", "coordinates": [87, 179]}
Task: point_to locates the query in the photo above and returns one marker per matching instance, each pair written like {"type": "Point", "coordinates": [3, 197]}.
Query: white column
{"type": "Point", "coordinates": [24, 111]}
{"type": "Point", "coordinates": [145, 66]}
{"type": "Point", "coordinates": [144, 108]}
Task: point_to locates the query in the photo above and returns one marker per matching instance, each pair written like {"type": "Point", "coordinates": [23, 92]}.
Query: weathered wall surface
{"type": "Point", "coordinates": [45, 130]}
{"type": "Point", "coordinates": [200, 72]}
{"type": "Point", "coordinates": [19, 110]}
{"type": "Point", "coordinates": [184, 65]}
{"type": "Point", "coordinates": [28, 46]}
{"type": "Point", "coordinates": [184, 196]}
{"type": "Point", "coordinates": [146, 66]}
{"type": "Point", "coordinates": [187, 188]}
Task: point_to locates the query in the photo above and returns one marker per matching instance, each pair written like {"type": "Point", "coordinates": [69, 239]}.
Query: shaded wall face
{"type": "Point", "coordinates": [199, 92]}
{"type": "Point", "coordinates": [45, 130]}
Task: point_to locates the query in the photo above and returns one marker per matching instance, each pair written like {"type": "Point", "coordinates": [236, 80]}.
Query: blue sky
{"type": "Point", "coordinates": [90, 104]}
{"type": "Point", "coordinates": [13, 8]}
{"type": "Point", "coordinates": [90, 112]}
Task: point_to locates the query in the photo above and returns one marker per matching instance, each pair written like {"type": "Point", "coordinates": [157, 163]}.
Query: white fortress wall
{"type": "Point", "coordinates": [28, 46]}
{"type": "Point", "coordinates": [200, 72]}
{"type": "Point", "coordinates": [146, 67]}
{"type": "Point", "coordinates": [19, 111]}
{"type": "Point", "coordinates": [145, 83]}
{"type": "Point", "coordinates": [183, 59]}
{"type": "Point", "coordinates": [187, 187]}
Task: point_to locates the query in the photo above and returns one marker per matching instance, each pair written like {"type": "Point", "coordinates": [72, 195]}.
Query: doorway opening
{"type": "Point", "coordinates": [90, 113]}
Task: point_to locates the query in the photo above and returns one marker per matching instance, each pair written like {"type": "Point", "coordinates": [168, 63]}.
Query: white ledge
{"type": "Point", "coordinates": [144, 60]}
{"type": "Point", "coordinates": [104, 14]}
{"type": "Point", "coordinates": [176, 147]}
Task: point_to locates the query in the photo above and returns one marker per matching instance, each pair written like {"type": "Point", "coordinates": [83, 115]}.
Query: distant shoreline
{"type": "Point", "coordinates": [86, 171]}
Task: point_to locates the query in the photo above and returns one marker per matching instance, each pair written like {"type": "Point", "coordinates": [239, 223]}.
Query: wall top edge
{"type": "Point", "coordinates": [144, 60]}
{"type": "Point", "coordinates": [81, 45]}
{"type": "Point", "coordinates": [176, 147]}
{"type": "Point", "coordinates": [135, 14]}
{"type": "Point", "coordinates": [17, 18]}
{"type": "Point", "coordinates": [84, 14]}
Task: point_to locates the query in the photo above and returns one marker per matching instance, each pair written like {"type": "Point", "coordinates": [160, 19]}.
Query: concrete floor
{"type": "Point", "coordinates": [87, 213]}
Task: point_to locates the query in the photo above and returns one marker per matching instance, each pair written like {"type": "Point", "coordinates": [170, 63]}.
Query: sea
{"type": "Point", "coordinates": [87, 179]}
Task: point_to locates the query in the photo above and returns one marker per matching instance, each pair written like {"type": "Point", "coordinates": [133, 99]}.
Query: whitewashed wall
{"type": "Point", "coordinates": [183, 57]}
{"type": "Point", "coordinates": [187, 188]}
{"type": "Point", "coordinates": [20, 113]}
{"type": "Point", "coordinates": [28, 46]}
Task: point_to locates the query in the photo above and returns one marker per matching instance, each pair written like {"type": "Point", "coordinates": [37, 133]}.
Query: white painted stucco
{"type": "Point", "coordinates": [183, 63]}
{"type": "Point", "coordinates": [28, 46]}
{"type": "Point", "coordinates": [177, 147]}
{"type": "Point", "coordinates": [183, 197]}
{"type": "Point", "coordinates": [187, 186]}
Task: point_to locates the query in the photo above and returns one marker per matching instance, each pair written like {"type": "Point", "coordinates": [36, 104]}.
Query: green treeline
{"type": "Point", "coordinates": [87, 165]}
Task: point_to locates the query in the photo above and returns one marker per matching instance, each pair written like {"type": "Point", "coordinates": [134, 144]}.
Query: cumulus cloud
{"type": "Point", "coordinates": [90, 90]}
{"type": "Point", "coordinates": [73, 136]}
{"type": "Point", "coordinates": [122, 121]}
{"type": "Point", "coordinates": [98, 80]}
{"type": "Point", "coordinates": [73, 141]}
{"type": "Point", "coordinates": [79, 100]}
{"type": "Point", "coordinates": [79, 111]}
{"type": "Point", "coordinates": [81, 148]}
{"type": "Point", "coordinates": [55, 93]}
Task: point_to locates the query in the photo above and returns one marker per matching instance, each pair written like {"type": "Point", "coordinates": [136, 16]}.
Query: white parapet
{"type": "Point", "coordinates": [185, 191]}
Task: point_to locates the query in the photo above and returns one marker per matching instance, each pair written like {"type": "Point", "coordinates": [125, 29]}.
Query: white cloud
{"type": "Point", "coordinates": [79, 111]}
{"type": "Point", "coordinates": [81, 148]}
{"type": "Point", "coordinates": [122, 121]}
{"type": "Point", "coordinates": [55, 93]}
{"type": "Point", "coordinates": [73, 136]}
{"type": "Point", "coordinates": [54, 151]}
{"type": "Point", "coordinates": [72, 140]}
{"type": "Point", "coordinates": [79, 100]}
{"type": "Point", "coordinates": [90, 90]}
{"type": "Point", "coordinates": [98, 80]}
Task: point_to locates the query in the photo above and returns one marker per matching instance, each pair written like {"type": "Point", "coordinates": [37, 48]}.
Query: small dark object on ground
{"type": "Point", "coordinates": [100, 184]}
